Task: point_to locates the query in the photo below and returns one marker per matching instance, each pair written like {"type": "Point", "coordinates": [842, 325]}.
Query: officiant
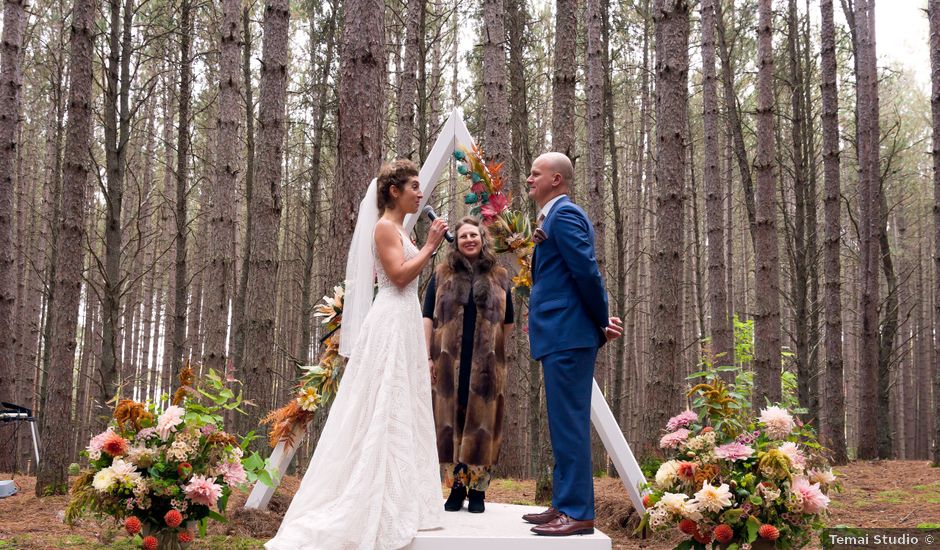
{"type": "Point", "coordinates": [468, 317]}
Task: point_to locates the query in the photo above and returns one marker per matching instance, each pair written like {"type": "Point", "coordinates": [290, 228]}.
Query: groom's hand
{"type": "Point", "coordinates": [614, 328]}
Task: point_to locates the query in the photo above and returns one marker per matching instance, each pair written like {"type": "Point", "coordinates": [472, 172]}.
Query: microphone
{"type": "Point", "coordinates": [432, 215]}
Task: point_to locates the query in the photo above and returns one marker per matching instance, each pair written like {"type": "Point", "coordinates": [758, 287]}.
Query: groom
{"type": "Point", "coordinates": [568, 323]}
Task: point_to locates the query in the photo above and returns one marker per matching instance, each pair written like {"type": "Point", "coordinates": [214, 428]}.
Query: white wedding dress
{"type": "Point", "coordinates": [373, 481]}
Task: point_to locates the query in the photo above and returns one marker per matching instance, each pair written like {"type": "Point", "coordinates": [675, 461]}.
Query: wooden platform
{"type": "Point", "coordinates": [499, 528]}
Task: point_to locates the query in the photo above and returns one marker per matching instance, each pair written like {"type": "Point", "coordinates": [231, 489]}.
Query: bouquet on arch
{"type": "Point", "coordinates": [510, 231]}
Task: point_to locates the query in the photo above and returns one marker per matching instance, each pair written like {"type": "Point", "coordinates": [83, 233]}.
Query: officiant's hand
{"type": "Point", "coordinates": [614, 329]}
{"type": "Point", "coordinates": [433, 370]}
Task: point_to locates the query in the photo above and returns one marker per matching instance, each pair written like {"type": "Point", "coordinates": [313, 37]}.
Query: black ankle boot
{"type": "Point", "coordinates": [476, 502]}
{"type": "Point", "coordinates": [455, 501]}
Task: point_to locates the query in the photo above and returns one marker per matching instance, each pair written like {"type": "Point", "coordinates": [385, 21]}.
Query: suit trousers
{"type": "Point", "coordinates": [569, 376]}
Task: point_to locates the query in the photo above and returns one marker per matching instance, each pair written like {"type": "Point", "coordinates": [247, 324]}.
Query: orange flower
{"type": "Point", "coordinates": [769, 532]}
{"type": "Point", "coordinates": [686, 471]}
{"type": "Point", "coordinates": [114, 445]}
{"type": "Point", "coordinates": [132, 525]}
{"type": "Point", "coordinates": [150, 543]}
{"type": "Point", "coordinates": [173, 518]}
{"type": "Point", "coordinates": [185, 537]}
{"type": "Point", "coordinates": [723, 533]}
{"type": "Point", "coordinates": [688, 526]}
{"type": "Point", "coordinates": [706, 472]}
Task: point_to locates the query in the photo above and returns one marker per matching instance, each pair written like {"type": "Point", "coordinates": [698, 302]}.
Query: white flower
{"type": "Point", "coordinates": [119, 472]}
{"type": "Point", "coordinates": [712, 498]}
{"type": "Point", "coordinates": [103, 480]}
{"type": "Point", "coordinates": [674, 503]}
{"type": "Point", "coordinates": [169, 420]}
{"type": "Point", "coordinates": [778, 422]}
{"type": "Point", "coordinates": [702, 442]}
{"type": "Point", "coordinates": [821, 477]}
{"type": "Point", "coordinates": [667, 474]}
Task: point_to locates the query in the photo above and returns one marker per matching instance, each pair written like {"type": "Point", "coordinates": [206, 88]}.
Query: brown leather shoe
{"type": "Point", "coordinates": [564, 526]}
{"type": "Point", "coordinates": [542, 518]}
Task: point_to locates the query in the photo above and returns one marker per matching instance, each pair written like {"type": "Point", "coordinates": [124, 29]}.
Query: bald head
{"type": "Point", "coordinates": [559, 163]}
{"type": "Point", "coordinates": [551, 175]}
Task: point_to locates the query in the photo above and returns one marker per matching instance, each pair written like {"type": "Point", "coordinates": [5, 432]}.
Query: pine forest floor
{"type": "Point", "coordinates": [874, 494]}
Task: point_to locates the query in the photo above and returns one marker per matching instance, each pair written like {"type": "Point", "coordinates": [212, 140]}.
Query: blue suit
{"type": "Point", "coordinates": [568, 313]}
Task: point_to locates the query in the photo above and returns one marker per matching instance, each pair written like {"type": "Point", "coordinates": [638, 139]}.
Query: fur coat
{"type": "Point", "coordinates": [471, 435]}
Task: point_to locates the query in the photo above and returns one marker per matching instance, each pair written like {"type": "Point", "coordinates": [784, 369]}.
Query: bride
{"type": "Point", "coordinates": [373, 480]}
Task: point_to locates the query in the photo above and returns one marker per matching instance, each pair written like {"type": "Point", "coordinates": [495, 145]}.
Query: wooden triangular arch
{"type": "Point", "coordinates": [454, 133]}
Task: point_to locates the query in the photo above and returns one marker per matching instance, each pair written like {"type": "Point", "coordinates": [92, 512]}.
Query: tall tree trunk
{"type": "Point", "coordinates": [519, 102]}
{"type": "Point", "coordinates": [359, 151]}
{"type": "Point", "coordinates": [766, 257]}
{"type": "Point", "coordinates": [117, 134]}
{"type": "Point", "coordinates": [564, 77]}
{"type": "Point", "coordinates": [803, 249]}
{"type": "Point", "coordinates": [183, 140]}
{"type": "Point", "coordinates": [934, 17]}
{"type": "Point", "coordinates": [14, 22]}
{"type": "Point", "coordinates": [834, 426]}
{"type": "Point", "coordinates": [736, 124]}
{"type": "Point", "coordinates": [313, 201]}
{"type": "Point", "coordinates": [238, 307]}
{"type": "Point", "coordinates": [722, 342]}
{"type": "Point", "coordinates": [663, 391]}
{"type": "Point", "coordinates": [887, 337]}
{"type": "Point", "coordinates": [408, 82]}
{"type": "Point", "coordinates": [260, 306]}
{"type": "Point", "coordinates": [221, 191]}
{"type": "Point", "coordinates": [55, 427]}
{"type": "Point", "coordinates": [495, 102]}
{"type": "Point", "coordinates": [870, 425]}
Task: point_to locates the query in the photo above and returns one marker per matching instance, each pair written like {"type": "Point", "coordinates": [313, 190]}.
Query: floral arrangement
{"type": "Point", "coordinates": [162, 473]}
{"type": "Point", "coordinates": [318, 384]}
{"type": "Point", "coordinates": [510, 231]}
{"type": "Point", "coordinates": [736, 480]}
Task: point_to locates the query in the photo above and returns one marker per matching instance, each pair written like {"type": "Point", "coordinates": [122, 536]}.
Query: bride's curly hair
{"type": "Point", "coordinates": [395, 173]}
{"type": "Point", "coordinates": [458, 261]}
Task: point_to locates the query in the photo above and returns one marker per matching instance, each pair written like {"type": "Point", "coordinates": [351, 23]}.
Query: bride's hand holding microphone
{"type": "Point", "coordinates": [436, 234]}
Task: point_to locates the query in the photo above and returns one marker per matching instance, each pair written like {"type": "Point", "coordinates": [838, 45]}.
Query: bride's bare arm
{"type": "Point", "coordinates": [391, 253]}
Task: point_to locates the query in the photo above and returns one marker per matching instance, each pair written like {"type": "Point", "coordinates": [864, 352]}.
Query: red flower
{"type": "Point", "coordinates": [185, 537]}
{"type": "Point", "coordinates": [173, 518]}
{"type": "Point", "coordinates": [703, 538]}
{"type": "Point", "coordinates": [707, 429]}
{"type": "Point", "coordinates": [185, 469]}
{"type": "Point", "coordinates": [499, 202]}
{"type": "Point", "coordinates": [132, 525]}
{"type": "Point", "coordinates": [647, 501]}
{"type": "Point", "coordinates": [723, 533]}
{"type": "Point", "coordinates": [769, 532]}
{"type": "Point", "coordinates": [688, 526]}
{"type": "Point", "coordinates": [150, 543]}
{"type": "Point", "coordinates": [114, 445]}
{"type": "Point", "coordinates": [686, 471]}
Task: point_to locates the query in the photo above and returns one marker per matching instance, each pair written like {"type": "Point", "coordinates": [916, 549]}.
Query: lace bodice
{"type": "Point", "coordinates": [384, 282]}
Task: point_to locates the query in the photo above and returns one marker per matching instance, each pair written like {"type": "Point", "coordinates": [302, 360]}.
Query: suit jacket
{"type": "Point", "coordinates": [568, 304]}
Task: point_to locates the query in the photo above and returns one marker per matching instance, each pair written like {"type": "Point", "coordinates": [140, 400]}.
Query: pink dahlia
{"type": "Point", "coordinates": [233, 473]}
{"type": "Point", "coordinates": [794, 453]}
{"type": "Point", "coordinates": [814, 501]}
{"type": "Point", "coordinates": [673, 440]}
{"type": "Point", "coordinates": [681, 420]}
{"type": "Point", "coordinates": [169, 420]}
{"type": "Point", "coordinates": [203, 490]}
{"type": "Point", "coordinates": [778, 423]}
{"type": "Point", "coordinates": [734, 451]}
